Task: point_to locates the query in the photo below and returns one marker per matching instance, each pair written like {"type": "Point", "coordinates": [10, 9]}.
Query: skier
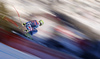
{"type": "Point", "coordinates": [32, 25]}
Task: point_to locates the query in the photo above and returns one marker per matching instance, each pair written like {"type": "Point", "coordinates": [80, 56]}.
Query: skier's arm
{"type": "Point", "coordinates": [36, 26]}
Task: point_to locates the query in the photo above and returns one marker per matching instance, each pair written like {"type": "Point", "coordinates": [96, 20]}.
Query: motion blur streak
{"type": "Point", "coordinates": [71, 27]}
{"type": "Point", "coordinates": [12, 53]}
{"type": "Point", "coordinates": [29, 47]}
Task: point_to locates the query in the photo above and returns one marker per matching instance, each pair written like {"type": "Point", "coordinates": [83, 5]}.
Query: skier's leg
{"type": "Point", "coordinates": [28, 26]}
{"type": "Point", "coordinates": [33, 32]}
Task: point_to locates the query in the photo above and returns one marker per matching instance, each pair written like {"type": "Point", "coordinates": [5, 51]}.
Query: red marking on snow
{"type": "Point", "coordinates": [67, 33]}
{"type": "Point", "coordinates": [17, 12]}
{"type": "Point", "coordinates": [9, 20]}
{"type": "Point", "coordinates": [55, 17]}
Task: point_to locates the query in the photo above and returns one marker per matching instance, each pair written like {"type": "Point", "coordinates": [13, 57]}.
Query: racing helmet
{"type": "Point", "coordinates": [41, 22]}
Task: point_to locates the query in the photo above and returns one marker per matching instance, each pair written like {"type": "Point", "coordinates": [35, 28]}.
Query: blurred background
{"type": "Point", "coordinates": [70, 27]}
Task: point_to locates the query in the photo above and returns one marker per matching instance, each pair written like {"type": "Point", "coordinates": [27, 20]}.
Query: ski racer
{"type": "Point", "coordinates": [32, 25]}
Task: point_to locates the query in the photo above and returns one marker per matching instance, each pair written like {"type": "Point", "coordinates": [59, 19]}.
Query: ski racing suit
{"type": "Point", "coordinates": [31, 26]}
